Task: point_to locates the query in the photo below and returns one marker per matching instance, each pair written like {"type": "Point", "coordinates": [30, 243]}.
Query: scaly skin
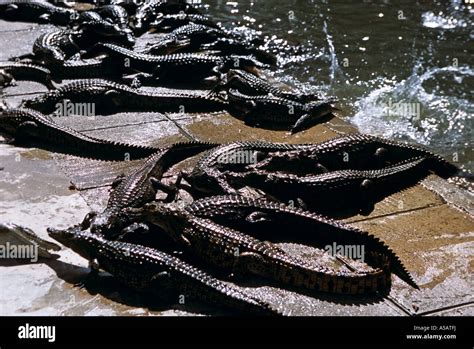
{"type": "Point", "coordinates": [87, 69]}
{"type": "Point", "coordinates": [35, 11]}
{"type": "Point", "coordinates": [206, 177]}
{"type": "Point", "coordinates": [53, 48]}
{"type": "Point", "coordinates": [334, 192]}
{"type": "Point", "coordinates": [268, 109]}
{"type": "Point", "coordinates": [164, 45]}
{"type": "Point", "coordinates": [150, 270]}
{"type": "Point", "coordinates": [236, 252]}
{"type": "Point", "coordinates": [26, 71]}
{"type": "Point", "coordinates": [116, 13]}
{"type": "Point", "coordinates": [27, 126]}
{"type": "Point", "coordinates": [110, 22]}
{"type": "Point", "coordinates": [140, 186]}
{"type": "Point", "coordinates": [110, 97]}
{"type": "Point", "coordinates": [178, 20]}
{"type": "Point", "coordinates": [236, 46]}
{"type": "Point", "coordinates": [199, 33]}
{"type": "Point", "coordinates": [177, 66]}
{"type": "Point", "coordinates": [149, 11]}
{"type": "Point", "coordinates": [267, 218]}
{"type": "Point", "coordinates": [358, 152]}
{"type": "Point", "coordinates": [253, 85]}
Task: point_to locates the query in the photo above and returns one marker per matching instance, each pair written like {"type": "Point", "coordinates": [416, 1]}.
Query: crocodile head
{"type": "Point", "coordinates": [5, 78]}
{"type": "Point", "coordinates": [75, 239]}
{"type": "Point", "coordinates": [170, 218]}
{"type": "Point", "coordinates": [202, 182]}
{"type": "Point", "coordinates": [109, 223]}
{"type": "Point", "coordinates": [9, 122]}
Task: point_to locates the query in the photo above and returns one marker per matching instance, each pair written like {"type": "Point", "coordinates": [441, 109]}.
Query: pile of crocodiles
{"type": "Point", "coordinates": [247, 195]}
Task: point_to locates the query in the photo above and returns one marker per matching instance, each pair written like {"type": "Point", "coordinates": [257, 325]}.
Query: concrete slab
{"type": "Point", "coordinates": [436, 244]}
{"type": "Point", "coordinates": [225, 128]}
{"type": "Point", "coordinates": [407, 200]}
{"type": "Point", "coordinates": [22, 34]}
{"type": "Point", "coordinates": [433, 239]}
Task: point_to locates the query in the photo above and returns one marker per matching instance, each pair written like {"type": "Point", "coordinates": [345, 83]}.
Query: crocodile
{"type": "Point", "coordinates": [334, 191]}
{"type": "Point", "coordinates": [53, 48]}
{"type": "Point", "coordinates": [355, 151]}
{"type": "Point", "coordinates": [231, 46]}
{"type": "Point", "coordinates": [174, 21]}
{"type": "Point", "coordinates": [110, 22]}
{"type": "Point", "coordinates": [198, 34]}
{"type": "Point", "coordinates": [140, 186]}
{"type": "Point", "coordinates": [265, 218]}
{"type": "Point", "coordinates": [109, 97]}
{"type": "Point", "coordinates": [26, 126]}
{"type": "Point", "coordinates": [150, 270]}
{"type": "Point", "coordinates": [35, 11]}
{"type": "Point", "coordinates": [206, 176]}
{"type": "Point", "coordinates": [253, 85]}
{"type": "Point", "coordinates": [179, 66]}
{"type": "Point", "coordinates": [164, 45]}
{"type": "Point", "coordinates": [148, 12]}
{"type": "Point", "coordinates": [18, 235]}
{"type": "Point", "coordinates": [116, 14]}
{"type": "Point", "coordinates": [272, 110]}
{"type": "Point", "coordinates": [11, 71]}
{"type": "Point", "coordinates": [232, 251]}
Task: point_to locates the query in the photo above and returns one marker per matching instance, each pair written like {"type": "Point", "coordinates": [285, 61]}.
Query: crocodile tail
{"type": "Point", "coordinates": [443, 167]}
{"type": "Point", "coordinates": [378, 249]}
{"type": "Point", "coordinates": [382, 279]}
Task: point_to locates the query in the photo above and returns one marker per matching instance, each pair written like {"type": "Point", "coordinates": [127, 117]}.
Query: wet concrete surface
{"type": "Point", "coordinates": [430, 226]}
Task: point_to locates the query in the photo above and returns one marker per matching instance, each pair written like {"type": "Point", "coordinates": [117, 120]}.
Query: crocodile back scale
{"type": "Point", "coordinates": [109, 97]}
{"type": "Point", "coordinates": [233, 251]}
{"type": "Point", "coordinates": [269, 219]}
{"type": "Point", "coordinates": [148, 269]}
{"type": "Point", "coordinates": [138, 187]}
{"type": "Point", "coordinates": [28, 126]}
{"type": "Point", "coordinates": [35, 11]}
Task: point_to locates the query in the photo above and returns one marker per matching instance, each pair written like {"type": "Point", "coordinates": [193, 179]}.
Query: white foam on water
{"type": "Point", "coordinates": [445, 119]}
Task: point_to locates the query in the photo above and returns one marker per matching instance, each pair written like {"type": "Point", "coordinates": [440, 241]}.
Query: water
{"type": "Point", "coordinates": [401, 69]}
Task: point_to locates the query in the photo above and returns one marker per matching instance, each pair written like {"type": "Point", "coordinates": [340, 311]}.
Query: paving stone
{"type": "Point", "coordinates": [436, 244]}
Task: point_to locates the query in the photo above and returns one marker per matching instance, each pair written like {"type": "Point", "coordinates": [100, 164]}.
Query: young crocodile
{"type": "Point", "coordinates": [150, 11]}
{"type": "Point", "coordinates": [109, 22]}
{"type": "Point", "coordinates": [206, 176]}
{"type": "Point", "coordinates": [253, 85]}
{"type": "Point", "coordinates": [11, 71]}
{"type": "Point", "coordinates": [110, 97]}
{"type": "Point", "coordinates": [174, 21]}
{"type": "Point", "coordinates": [150, 270]}
{"type": "Point", "coordinates": [27, 126]}
{"type": "Point", "coordinates": [53, 48]}
{"type": "Point", "coordinates": [336, 191]}
{"type": "Point", "coordinates": [231, 46]}
{"type": "Point", "coordinates": [233, 251]}
{"type": "Point", "coordinates": [357, 152]}
{"type": "Point", "coordinates": [268, 219]}
{"type": "Point", "coordinates": [175, 67]}
{"type": "Point", "coordinates": [268, 109]}
{"type": "Point", "coordinates": [35, 11]}
{"type": "Point", "coordinates": [354, 151]}
{"type": "Point", "coordinates": [140, 186]}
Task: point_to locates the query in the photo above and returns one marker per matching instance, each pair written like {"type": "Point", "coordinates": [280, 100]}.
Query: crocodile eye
{"type": "Point", "coordinates": [366, 184]}
{"type": "Point", "coordinates": [381, 152]}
